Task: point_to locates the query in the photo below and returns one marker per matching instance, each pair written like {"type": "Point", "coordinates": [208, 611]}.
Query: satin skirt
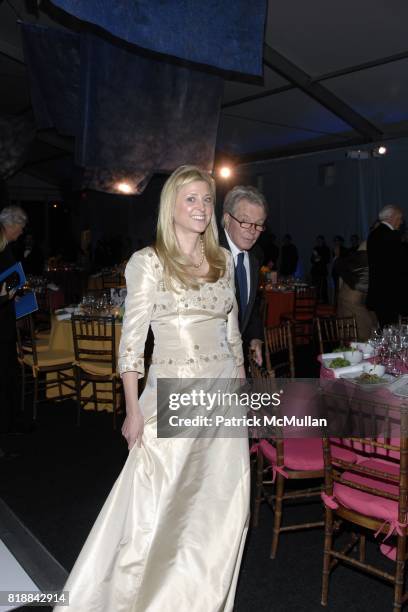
{"type": "Point", "coordinates": [171, 534]}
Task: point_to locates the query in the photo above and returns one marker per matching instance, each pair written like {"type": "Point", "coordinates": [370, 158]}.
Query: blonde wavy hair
{"type": "Point", "coordinates": [177, 267]}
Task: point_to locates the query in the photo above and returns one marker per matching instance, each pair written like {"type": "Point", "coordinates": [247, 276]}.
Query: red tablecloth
{"type": "Point", "coordinates": [279, 303]}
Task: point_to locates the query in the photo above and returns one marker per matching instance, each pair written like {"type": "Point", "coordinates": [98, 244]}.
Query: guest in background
{"type": "Point", "coordinates": [289, 257]}
{"type": "Point", "coordinates": [354, 243]}
{"type": "Point", "coordinates": [244, 216]}
{"type": "Point", "coordinates": [404, 244]}
{"type": "Point", "coordinates": [267, 242]}
{"type": "Point", "coordinates": [352, 271]}
{"type": "Point", "coordinates": [386, 268]}
{"type": "Point", "coordinates": [33, 259]}
{"type": "Point", "coordinates": [320, 260]}
{"type": "Point", "coordinates": [12, 222]}
{"type": "Point", "coordinates": [339, 250]}
{"type": "Point", "coordinates": [84, 257]}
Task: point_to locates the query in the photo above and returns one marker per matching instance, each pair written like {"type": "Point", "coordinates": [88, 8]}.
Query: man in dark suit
{"type": "Point", "coordinates": [244, 215]}
{"type": "Point", "coordinates": [385, 260]}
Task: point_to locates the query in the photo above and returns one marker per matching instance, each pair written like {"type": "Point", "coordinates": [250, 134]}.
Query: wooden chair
{"type": "Point", "coordinates": [95, 362]}
{"type": "Point", "coordinates": [303, 314]}
{"type": "Point", "coordinates": [370, 495]}
{"type": "Point", "coordinates": [38, 363]}
{"type": "Point", "coordinates": [334, 331]}
{"type": "Point", "coordinates": [277, 459]}
{"type": "Point", "coordinates": [279, 356]}
{"type": "Point", "coordinates": [42, 316]}
{"type": "Point", "coordinates": [113, 280]}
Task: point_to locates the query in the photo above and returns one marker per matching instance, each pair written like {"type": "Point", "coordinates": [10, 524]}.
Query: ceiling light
{"type": "Point", "coordinates": [124, 187]}
{"type": "Point", "coordinates": [225, 172]}
{"type": "Point", "coordinates": [380, 150]}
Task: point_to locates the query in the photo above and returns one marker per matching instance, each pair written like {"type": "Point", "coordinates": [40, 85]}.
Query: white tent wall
{"type": "Point", "coordinates": [301, 205]}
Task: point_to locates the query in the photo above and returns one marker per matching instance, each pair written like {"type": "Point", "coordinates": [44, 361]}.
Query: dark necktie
{"type": "Point", "coordinates": [242, 283]}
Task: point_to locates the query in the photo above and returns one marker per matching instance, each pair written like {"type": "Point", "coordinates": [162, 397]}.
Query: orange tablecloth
{"type": "Point", "coordinates": [61, 338]}
{"type": "Point", "coordinates": [278, 303]}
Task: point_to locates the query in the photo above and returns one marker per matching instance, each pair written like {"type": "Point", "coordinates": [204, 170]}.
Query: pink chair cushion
{"type": "Point", "coordinates": [303, 453]}
{"type": "Point", "coordinates": [368, 503]}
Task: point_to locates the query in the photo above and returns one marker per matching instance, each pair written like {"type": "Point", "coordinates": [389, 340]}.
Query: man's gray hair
{"type": "Point", "coordinates": [388, 211]}
{"type": "Point", "coordinates": [241, 192]}
{"type": "Point", "coordinates": [13, 215]}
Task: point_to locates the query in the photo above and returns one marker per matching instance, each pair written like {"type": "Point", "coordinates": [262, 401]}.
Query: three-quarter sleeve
{"type": "Point", "coordinates": [141, 285]}
{"type": "Point", "coordinates": [233, 334]}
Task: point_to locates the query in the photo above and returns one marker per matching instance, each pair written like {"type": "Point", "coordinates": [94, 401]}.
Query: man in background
{"type": "Point", "coordinates": [385, 262]}
{"type": "Point", "coordinates": [244, 216]}
{"type": "Point", "coordinates": [289, 257]}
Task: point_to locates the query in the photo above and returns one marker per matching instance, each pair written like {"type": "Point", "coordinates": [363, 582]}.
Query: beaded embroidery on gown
{"type": "Point", "coordinates": [171, 533]}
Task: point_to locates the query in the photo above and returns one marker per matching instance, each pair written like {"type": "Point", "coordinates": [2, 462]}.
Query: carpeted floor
{"type": "Point", "coordinates": [63, 474]}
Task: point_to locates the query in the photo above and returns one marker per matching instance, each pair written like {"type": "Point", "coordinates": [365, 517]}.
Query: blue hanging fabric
{"type": "Point", "coordinates": [53, 60]}
{"type": "Point", "coordinates": [130, 115]}
{"type": "Point", "coordinates": [150, 114]}
{"type": "Point", "coordinates": [222, 33]}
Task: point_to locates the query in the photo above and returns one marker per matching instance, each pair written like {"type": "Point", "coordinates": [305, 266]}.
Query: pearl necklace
{"type": "Point", "coordinates": [202, 255]}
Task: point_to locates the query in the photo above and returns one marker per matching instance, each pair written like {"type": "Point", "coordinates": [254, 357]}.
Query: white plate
{"type": "Point", "coordinates": [400, 386]}
{"type": "Point", "coordinates": [387, 379]}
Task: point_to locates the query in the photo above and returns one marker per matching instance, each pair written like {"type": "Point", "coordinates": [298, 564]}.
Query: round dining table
{"type": "Point", "coordinates": [278, 302]}
{"type": "Point", "coordinates": [61, 338]}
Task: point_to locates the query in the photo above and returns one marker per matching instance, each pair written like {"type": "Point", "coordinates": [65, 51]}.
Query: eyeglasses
{"type": "Point", "coordinates": [246, 225]}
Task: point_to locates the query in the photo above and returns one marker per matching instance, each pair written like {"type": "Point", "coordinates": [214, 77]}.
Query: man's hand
{"type": "Point", "coordinates": [256, 346]}
{"type": "Point", "coordinates": [3, 292]}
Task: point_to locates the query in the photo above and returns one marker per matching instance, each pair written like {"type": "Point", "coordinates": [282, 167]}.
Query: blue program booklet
{"type": "Point", "coordinates": [14, 271]}
{"type": "Point", "coordinates": [25, 304]}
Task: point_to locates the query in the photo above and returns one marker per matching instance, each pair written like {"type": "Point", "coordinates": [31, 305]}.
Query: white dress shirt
{"type": "Point", "coordinates": [235, 252]}
{"type": "Point", "coordinates": [388, 225]}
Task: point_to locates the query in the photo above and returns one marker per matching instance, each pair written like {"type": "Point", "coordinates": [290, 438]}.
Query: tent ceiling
{"type": "Point", "coordinates": [335, 74]}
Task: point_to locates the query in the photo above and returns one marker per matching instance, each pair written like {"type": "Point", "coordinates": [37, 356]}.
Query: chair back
{"type": "Point", "coordinates": [333, 331]}
{"type": "Point", "coordinates": [43, 314]}
{"type": "Point", "coordinates": [379, 434]}
{"type": "Point", "coordinates": [94, 339]}
{"type": "Point", "coordinates": [279, 351]}
{"type": "Point", "coordinates": [26, 341]}
{"type": "Point", "coordinates": [113, 280]}
{"type": "Point", "coordinates": [305, 303]}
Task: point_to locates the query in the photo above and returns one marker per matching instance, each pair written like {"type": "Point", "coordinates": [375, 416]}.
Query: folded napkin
{"type": "Point", "coordinates": [53, 287]}
{"type": "Point", "coordinates": [325, 356]}
{"type": "Point", "coordinates": [338, 372]}
{"type": "Point", "coordinates": [63, 316]}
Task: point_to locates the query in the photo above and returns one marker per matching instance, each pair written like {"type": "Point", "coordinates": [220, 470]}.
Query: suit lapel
{"type": "Point", "coordinates": [253, 267]}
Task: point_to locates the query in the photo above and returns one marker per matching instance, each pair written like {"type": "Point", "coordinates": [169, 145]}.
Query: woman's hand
{"type": "Point", "coordinates": [132, 428]}
{"type": "Point", "coordinates": [241, 373]}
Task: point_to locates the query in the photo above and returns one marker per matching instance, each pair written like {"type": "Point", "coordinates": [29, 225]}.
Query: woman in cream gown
{"type": "Point", "coordinates": [171, 534]}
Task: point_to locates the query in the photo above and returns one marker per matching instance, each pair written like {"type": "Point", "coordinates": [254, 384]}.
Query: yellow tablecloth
{"type": "Point", "coordinates": [61, 338]}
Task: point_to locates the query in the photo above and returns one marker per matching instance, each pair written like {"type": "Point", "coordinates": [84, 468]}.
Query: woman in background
{"type": "Point", "coordinates": [12, 222]}
{"type": "Point", "coordinates": [353, 274]}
